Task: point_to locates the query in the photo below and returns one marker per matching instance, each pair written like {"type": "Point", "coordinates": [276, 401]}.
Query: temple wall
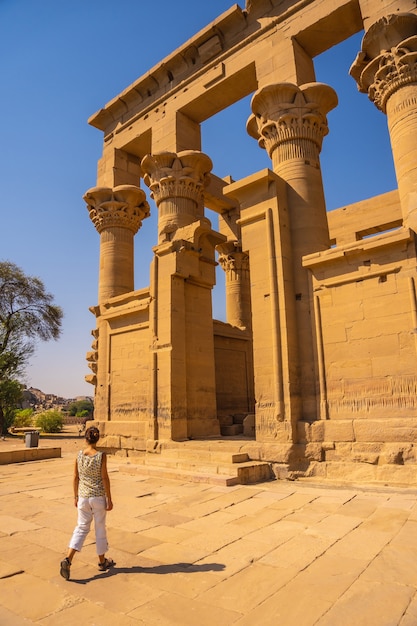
{"type": "Point", "coordinates": [123, 403]}
{"type": "Point", "coordinates": [129, 367]}
{"type": "Point", "coordinates": [365, 325]}
{"type": "Point", "coordinates": [320, 341]}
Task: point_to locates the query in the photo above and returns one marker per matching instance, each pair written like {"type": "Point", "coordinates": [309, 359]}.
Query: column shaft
{"type": "Point", "coordinates": [386, 69]}
{"type": "Point", "coordinates": [290, 123]}
{"type": "Point", "coordinates": [117, 215]}
{"type": "Point", "coordinates": [235, 264]}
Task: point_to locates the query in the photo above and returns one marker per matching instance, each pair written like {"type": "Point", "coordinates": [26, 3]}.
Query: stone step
{"type": "Point", "coordinates": [254, 472]}
{"type": "Point", "coordinates": [204, 466]}
{"type": "Point", "coordinates": [181, 475]}
{"type": "Point", "coordinates": [213, 461]}
{"type": "Point", "coordinates": [225, 420]}
{"type": "Point", "coordinates": [202, 454]}
{"type": "Point", "coordinates": [238, 418]}
{"type": "Point", "coordinates": [231, 431]}
{"type": "Point", "coordinates": [245, 472]}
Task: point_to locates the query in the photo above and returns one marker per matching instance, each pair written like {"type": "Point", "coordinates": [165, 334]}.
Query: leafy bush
{"type": "Point", "coordinates": [50, 421]}
{"type": "Point", "coordinates": [80, 405]}
{"type": "Point", "coordinates": [23, 418]}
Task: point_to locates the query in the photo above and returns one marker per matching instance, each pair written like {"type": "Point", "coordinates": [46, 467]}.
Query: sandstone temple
{"type": "Point", "coordinates": [314, 371]}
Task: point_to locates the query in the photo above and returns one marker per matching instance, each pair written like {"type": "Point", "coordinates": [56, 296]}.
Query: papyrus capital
{"type": "Point", "coordinates": [184, 175]}
{"type": "Point", "coordinates": [291, 119]}
{"type": "Point", "coordinates": [388, 58]}
{"type": "Point", "coordinates": [124, 206]}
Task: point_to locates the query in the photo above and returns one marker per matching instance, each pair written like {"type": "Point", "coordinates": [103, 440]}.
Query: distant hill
{"type": "Point", "coordinates": [38, 400]}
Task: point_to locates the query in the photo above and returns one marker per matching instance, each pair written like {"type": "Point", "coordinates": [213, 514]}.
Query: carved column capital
{"type": "Point", "coordinates": [290, 121]}
{"type": "Point", "coordinates": [124, 206]}
{"type": "Point", "coordinates": [235, 264]}
{"type": "Point", "coordinates": [388, 59]}
{"type": "Point", "coordinates": [177, 183]}
{"type": "Point", "coordinates": [184, 175]}
{"type": "Point", "coordinates": [231, 258]}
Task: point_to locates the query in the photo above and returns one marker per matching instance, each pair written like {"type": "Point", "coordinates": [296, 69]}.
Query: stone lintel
{"type": "Point", "coordinates": [214, 198]}
{"type": "Point", "coordinates": [394, 238]}
{"type": "Point", "coordinates": [351, 222]}
{"type": "Point", "coordinates": [132, 301]}
{"type": "Point", "coordinates": [257, 184]}
{"type": "Point", "coordinates": [223, 329]}
{"type": "Point", "coordinates": [169, 75]}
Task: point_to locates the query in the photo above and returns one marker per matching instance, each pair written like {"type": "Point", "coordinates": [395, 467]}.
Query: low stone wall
{"type": "Point", "coordinates": [28, 454]}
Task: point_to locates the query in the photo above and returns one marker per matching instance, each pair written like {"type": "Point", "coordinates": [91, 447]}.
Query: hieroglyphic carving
{"type": "Point", "coordinates": [363, 397]}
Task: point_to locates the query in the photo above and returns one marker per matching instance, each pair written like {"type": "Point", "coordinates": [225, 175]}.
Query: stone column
{"type": "Point", "coordinates": [235, 264]}
{"type": "Point", "coordinates": [290, 123]}
{"type": "Point", "coordinates": [183, 275]}
{"type": "Point", "coordinates": [177, 184]}
{"type": "Point", "coordinates": [117, 214]}
{"type": "Point", "coordinates": [386, 69]}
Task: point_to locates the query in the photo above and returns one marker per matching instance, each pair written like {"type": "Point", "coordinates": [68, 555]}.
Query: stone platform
{"type": "Point", "coordinates": [191, 554]}
{"type": "Point", "coordinates": [22, 455]}
{"type": "Point", "coordinates": [217, 461]}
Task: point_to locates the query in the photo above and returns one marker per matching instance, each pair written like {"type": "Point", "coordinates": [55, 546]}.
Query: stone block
{"type": "Point", "coordinates": [277, 453]}
{"type": "Point", "coordinates": [351, 472]}
{"type": "Point", "coordinates": [385, 430]}
{"type": "Point", "coordinates": [397, 454]}
{"type": "Point", "coordinates": [366, 452]}
{"type": "Point", "coordinates": [314, 452]}
{"type": "Point", "coordinates": [396, 474]}
{"type": "Point", "coordinates": [338, 452]}
{"type": "Point", "coordinates": [249, 425]}
{"type": "Point", "coordinates": [110, 441]}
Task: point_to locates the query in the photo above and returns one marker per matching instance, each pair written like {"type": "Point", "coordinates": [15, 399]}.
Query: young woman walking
{"type": "Point", "coordinates": [92, 497]}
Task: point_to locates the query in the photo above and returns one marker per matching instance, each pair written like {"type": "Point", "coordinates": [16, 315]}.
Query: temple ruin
{"type": "Point", "coordinates": [314, 371]}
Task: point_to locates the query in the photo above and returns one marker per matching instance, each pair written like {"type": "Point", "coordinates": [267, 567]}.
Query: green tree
{"type": "Point", "coordinates": [10, 397]}
{"type": "Point", "coordinates": [27, 313]}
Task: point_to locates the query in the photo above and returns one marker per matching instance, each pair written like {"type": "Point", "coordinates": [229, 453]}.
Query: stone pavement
{"type": "Point", "coordinates": [187, 554]}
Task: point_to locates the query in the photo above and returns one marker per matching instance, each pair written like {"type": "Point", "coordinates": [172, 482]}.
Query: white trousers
{"type": "Point", "coordinates": [89, 509]}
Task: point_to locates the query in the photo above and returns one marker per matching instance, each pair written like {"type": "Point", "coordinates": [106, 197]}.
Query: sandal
{"type": "Point", "coordinates": [106, 564]}
{"type": "Point", "coordinates": [65, 568]}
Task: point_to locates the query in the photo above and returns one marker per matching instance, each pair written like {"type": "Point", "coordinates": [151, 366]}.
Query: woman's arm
{"type": "Point", "coordinates": [76, 482]}
{"type": "Point", "coordinates": [106, 482]}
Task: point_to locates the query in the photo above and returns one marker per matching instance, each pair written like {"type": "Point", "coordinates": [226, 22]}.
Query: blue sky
{"type": "Point", "coordinates": [60, 62]}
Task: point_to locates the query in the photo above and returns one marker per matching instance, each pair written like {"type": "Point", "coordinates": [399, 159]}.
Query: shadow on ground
{"type": "Point", "coordinates": [185, 568]}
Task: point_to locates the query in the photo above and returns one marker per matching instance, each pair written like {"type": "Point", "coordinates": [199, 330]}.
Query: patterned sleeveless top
{"type": "Point", "coordinates": [89, 471]}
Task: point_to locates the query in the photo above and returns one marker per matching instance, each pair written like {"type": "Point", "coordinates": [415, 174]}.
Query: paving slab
{"type": "Point", "coordinates": [187, 554]}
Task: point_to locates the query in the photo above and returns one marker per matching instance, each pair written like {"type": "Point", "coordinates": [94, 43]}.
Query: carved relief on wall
{"type": "Point", "coordinates": [362, 398]}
